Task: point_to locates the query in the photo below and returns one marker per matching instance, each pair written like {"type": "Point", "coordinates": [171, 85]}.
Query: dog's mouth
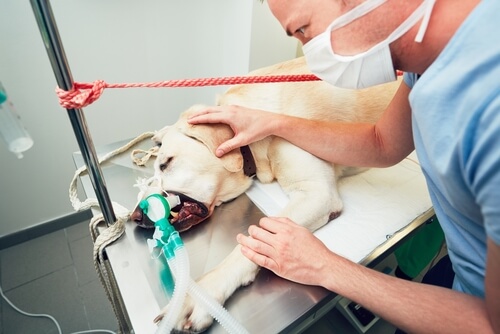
{"type": "Point", "coordinates": [182, 217]}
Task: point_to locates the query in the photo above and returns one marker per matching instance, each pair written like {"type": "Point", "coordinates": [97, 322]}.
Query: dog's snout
{"type": "Point", "coordinates": [141, 219]}
{"type": "Point", "coordinates": [165, 164]}
{"type": "Point", "coordinates": [136, 215]}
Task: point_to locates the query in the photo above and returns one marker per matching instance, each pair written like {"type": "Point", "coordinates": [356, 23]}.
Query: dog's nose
{"type": "Point", "coordinates": [162, 166]}
{"type": "Point", "coordinates": [141, 219]}
{"type": "Point", "coordinates": [136, 216]}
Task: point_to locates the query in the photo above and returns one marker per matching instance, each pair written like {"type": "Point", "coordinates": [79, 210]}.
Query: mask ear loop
{"type": "Point", "coordinates": [354, 14]}
{"type": "Point", "coordinates": [370, 5]}
{"type": "Point", "coordinates": [425, 21]}
{"type": "Point", "coordinates": [411, 20]}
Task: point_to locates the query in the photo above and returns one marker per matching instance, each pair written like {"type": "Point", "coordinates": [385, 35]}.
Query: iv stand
{"type": "Point", "coordinates": [50, 35]}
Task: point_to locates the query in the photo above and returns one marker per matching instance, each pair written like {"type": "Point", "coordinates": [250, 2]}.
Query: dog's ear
{"type": "Point", "coordinates": [158, 136]}
{"type": "Point", "coordinates": [212, 135]}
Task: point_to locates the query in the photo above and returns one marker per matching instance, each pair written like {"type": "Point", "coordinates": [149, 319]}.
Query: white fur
{"type": "Point", "coordinates": [195, 171]}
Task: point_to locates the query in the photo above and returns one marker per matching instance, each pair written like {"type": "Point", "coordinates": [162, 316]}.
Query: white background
{"type": "Point", "coordinates": [116, 41]}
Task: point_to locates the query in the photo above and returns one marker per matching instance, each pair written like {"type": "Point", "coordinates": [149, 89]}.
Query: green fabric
{"type": "Point", "coordinates": [416, 253]}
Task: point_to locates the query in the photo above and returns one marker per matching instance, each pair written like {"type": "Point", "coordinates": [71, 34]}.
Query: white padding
{"type": "Point", "coordinates": [377, 203]}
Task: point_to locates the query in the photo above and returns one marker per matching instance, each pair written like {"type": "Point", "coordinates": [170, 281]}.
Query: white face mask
{"type": "Point", "coordinates": [368, 68]}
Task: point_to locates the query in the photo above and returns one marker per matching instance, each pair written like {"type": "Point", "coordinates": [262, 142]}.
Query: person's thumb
{"type": "Point", "coordinates": [226, 147]}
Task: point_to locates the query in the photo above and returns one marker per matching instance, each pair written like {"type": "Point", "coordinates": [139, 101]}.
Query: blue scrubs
{"type": "Point", "coordinates": [456, 129]}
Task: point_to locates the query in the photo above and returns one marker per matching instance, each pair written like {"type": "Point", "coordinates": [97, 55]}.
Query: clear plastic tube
{"type": "Point", "coordinates": [12, 130]}
{"type": "Point", "coordinates": [213, 307]}
{"type": "Point", "coordinates": [179, 266]}
{"type": "Point", "coordinates": [216, 310]}
{"type": "Point", "coordinates": [157, 209]}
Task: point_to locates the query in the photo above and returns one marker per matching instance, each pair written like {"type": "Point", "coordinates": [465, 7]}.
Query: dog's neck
{"type": "Point", "coordinates": [249, 167]}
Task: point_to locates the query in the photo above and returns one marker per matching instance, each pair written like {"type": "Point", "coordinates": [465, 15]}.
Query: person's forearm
{"type": "Point", "coordinates": [354, 144]}
{"type": "Point", "coordinates": [343, 143]}
{"type": "Point", "coordinates": [413, 307]}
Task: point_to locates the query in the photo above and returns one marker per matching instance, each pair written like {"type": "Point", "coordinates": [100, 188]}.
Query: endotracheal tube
{"type": "Point", "coordinates": [12, 130]}
{"type": "Point", "coordinates": [166, 238]}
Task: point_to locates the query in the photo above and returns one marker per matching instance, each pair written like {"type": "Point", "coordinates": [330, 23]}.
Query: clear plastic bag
{"type": "Point", "coordinates": [12, 131]}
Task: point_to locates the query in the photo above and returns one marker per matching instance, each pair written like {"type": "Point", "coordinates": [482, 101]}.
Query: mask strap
{"type": "Point", "coordinates": [410, 22]}
{"type": "Point", "coordinates": [400, 31]}
{"type": "Point", "coordinates": [370, 5]}
{"type": "Point", "coordinates": [425, 21]}
{"type": "Point", "coordinates": [354, 14]}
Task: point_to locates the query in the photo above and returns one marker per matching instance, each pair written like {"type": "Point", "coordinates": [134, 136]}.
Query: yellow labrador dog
{"type": "Point", "coordinates": [188, 166]}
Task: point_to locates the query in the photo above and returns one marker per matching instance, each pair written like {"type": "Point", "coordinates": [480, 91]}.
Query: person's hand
{"type": "Point", "coordinates": [289, 250]}
{"type": "Point", "coordinates": [248, 125]}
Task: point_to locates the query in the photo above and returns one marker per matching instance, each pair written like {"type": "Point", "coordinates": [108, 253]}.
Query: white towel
{"type": "Point", "coordinates": [377, 203]}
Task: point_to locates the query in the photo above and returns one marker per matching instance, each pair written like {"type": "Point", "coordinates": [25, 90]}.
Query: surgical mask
{"type": "Point", "coordinates": [368, 68]}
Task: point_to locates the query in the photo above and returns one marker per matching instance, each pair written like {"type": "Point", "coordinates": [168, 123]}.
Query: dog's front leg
{"type": "Point", "coordinates": [309, 182]}
{"type": "Point", "coordinates": [220, 283]}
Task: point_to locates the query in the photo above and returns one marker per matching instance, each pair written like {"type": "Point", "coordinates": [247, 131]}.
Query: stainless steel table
{"type": "Point", "coordinates": [269, 305]}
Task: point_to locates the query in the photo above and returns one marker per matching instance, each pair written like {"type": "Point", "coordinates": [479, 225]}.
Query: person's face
{"type": "Point", "coordinates": [305, 19]}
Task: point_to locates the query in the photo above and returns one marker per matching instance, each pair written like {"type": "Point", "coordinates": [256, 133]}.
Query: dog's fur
{"type": "Point", "coordinates": [187, 165]}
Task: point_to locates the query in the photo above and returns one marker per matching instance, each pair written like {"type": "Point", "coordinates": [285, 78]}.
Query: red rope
{"type": "Point", "coordinates": [83, 94]}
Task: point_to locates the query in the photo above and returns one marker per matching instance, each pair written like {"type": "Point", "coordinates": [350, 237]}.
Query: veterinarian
{"type": "Point", "coordinates": [447, 108]}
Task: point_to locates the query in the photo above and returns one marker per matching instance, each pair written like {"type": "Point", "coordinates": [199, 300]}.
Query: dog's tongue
{"type": "Point", "coordinates": [189, 215]}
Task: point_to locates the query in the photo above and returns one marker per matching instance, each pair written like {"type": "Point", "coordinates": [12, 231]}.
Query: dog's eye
{"type": "Point", "coordinates": [165, 164]}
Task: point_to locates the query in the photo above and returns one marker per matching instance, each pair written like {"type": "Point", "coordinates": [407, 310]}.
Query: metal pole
{"type": "Point", "coordinates": [50, 35]}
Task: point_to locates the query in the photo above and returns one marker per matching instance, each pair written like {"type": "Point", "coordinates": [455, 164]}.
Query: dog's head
{"type": "Point", "coordinates": [186, 165]}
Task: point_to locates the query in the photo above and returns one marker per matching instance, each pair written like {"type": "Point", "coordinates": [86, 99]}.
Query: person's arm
{"type": "Point", "coordinates": [416, 307]}
{"type": "Point", "coordinates": [357, 144]}
{"type": "Point", "coordinates": [492, 284]}
{"type": "Point", "coordinates": [353, 144]}
{"type": "Point", "coordinates": [288, 249]}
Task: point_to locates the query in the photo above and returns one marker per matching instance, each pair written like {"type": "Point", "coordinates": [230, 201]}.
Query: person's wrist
{"type": "Point", "coordinates": [276, 125]}
{"type": "Point", "coordinates": [332, 272]}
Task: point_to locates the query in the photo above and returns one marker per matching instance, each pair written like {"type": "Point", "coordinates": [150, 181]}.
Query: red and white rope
{"type": "Point", "coordinates": [83, 94]}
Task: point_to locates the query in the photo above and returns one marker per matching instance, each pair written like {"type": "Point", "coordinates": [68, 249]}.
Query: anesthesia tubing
{"type": "Point", "coordinates": [214, 308]}
{"type": "Point", "coordinates": [158, 208]}
{"type": "Point", "coordinates": [182, 278]}
{"type": "Point", "coordinates": [56, 323]}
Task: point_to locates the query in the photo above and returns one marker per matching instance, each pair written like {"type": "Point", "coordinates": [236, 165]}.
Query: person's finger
{"type": "Point", "coordinates": [275, 224]}
{"type": "Point", "coordinates": [207, 115]}
{"type": "Point", "coordinates": [227, 146]}
{"type": "Point", "coordinates": [258, 258]}
{"type": "Point", "coordinates": [257, 245]}
{"type": "Point", "coordinates": [263, 236]}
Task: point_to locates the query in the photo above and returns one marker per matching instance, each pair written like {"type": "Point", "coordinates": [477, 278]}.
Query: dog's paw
{"type": "Point", "coordinates": [220, 283]}
{"type": "Point", "coordinates": [192, 319]}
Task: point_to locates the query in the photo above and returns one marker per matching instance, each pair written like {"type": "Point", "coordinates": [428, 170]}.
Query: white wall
{"type": "Point", "coordinates": [116, 41]}
{"type": "Point", "coordinates": [269, 43]}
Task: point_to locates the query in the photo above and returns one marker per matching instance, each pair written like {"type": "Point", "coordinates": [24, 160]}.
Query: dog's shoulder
{"type": "Point", "coordinates": [263, 96]}
{"type": "Point", "coordinates": [292, 66]}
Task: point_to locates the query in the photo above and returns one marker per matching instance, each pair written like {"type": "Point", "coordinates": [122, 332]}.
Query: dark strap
{"type": "Point", "coordinates": [249, 167]}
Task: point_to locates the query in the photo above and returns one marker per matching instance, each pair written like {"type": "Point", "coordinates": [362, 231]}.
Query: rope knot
{"type": "Point", "coordinates": [81, 95]}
